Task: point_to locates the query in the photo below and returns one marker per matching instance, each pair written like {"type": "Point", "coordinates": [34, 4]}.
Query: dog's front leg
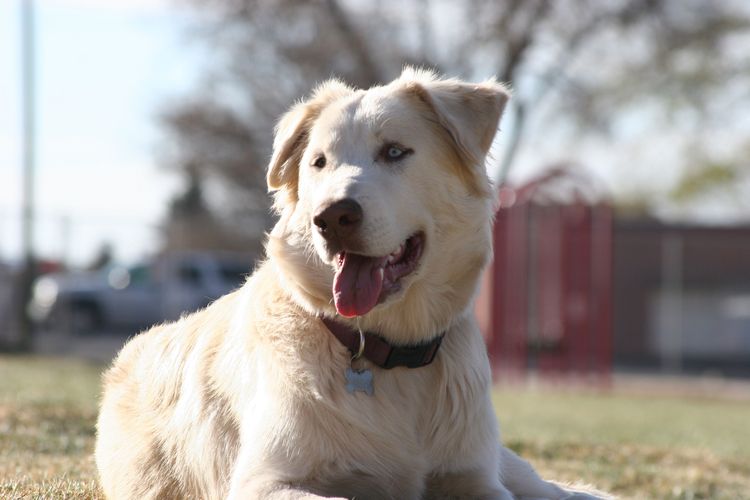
{"type": "Point", "coordinates": [522, 480]}
{"type": "Point", "coordinates": [256, 486]}
{"type": "Point", "coordinates": [253, 479]}
{"type": "Point", "coordinates": [273, 491]}
{"type": "Point", "coordinates": [466, 485]}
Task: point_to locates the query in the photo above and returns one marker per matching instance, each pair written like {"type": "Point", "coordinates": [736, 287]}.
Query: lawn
{"type": "Point", "coordinates": [47, 412]}
{"type": "Point", "coordinates": [634, 446]}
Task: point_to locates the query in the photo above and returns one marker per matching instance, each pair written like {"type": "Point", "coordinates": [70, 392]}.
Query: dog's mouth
{"type": "Point", "coordinates": [362, 282]}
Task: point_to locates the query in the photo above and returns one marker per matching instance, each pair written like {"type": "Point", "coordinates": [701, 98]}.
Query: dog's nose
{"type": "Point", "coordinates": [340, 219]}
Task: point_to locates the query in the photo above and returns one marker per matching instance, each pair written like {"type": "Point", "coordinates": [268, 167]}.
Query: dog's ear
{"type": "Point", "coordinates": [292, 132]}
{"type": "Point", "coordinates": [468, 112]}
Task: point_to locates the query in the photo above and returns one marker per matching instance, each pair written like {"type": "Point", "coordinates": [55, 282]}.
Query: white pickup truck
{"type": "Point", "coordinates": [128, 299]}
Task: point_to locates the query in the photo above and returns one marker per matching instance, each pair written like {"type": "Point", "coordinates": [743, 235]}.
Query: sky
{"type": "Point", "coordinates": [105, 70]}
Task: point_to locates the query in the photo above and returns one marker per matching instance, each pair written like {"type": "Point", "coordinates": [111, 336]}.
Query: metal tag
{"type": "Point", "coordinates": [359, 380]}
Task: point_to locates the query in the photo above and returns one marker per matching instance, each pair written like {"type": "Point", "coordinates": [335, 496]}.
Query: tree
{"type": "Point", "coordinates": [576, 66]}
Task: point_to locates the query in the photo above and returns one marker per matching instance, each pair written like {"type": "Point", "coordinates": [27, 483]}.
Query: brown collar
{"type": "Point", "coordinates": [380, 352]}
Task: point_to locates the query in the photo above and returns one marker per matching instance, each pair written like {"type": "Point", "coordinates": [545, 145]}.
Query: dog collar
{"type": "Point", "coordinates": [379, 351]}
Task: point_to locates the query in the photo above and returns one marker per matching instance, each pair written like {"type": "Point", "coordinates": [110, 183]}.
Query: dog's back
{"type": "Point", "coordinates": [161, 414]}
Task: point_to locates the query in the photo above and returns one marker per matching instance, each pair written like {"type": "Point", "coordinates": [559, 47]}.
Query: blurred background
{"type": "Point", "coordinates": [134, 135]}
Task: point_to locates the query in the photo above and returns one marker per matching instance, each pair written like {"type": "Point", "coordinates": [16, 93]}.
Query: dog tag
{"type": "Point", "coordinates": [359, 380]}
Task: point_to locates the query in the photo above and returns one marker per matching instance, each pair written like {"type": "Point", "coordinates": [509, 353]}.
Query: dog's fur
{"type": "Point", "coordinates": [247, 398]}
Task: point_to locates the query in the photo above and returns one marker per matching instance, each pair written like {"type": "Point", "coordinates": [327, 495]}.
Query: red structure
{"type": "Point", "coordinates": [546, 299]}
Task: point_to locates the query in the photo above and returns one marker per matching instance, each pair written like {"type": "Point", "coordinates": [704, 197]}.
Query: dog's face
{"type": "Point", "coordinates": [385, 204]}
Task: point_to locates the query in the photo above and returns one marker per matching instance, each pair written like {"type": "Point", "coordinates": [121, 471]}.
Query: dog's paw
{"type": "Point", "coordinates": [572, 495]}
{"type": "Point", "coordinates": [580, 495]}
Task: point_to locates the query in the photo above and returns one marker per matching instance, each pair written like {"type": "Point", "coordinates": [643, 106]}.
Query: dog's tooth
{"type": "Point", "coordinates": [381, 273]}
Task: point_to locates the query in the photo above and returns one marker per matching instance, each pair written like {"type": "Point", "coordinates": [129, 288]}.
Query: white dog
{"type": "Point", "coordinates": [349, 364]}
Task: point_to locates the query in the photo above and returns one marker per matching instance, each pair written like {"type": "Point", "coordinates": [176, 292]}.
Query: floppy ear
{"type": "Point", "coordinates": [468, 112]}
{"type": "Point", "coordinates": [292, 133]}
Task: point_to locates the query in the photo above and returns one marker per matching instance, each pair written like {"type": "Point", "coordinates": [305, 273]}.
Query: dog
{"type": "Point", "coordinates": [350, 364]}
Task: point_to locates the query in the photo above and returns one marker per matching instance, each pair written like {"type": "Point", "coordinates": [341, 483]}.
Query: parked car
{"type": "Point", "coordinates": [118, 298]}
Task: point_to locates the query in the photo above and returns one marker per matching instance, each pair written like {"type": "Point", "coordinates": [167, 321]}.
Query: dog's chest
{"type": "Point", "coordinates": [414, 423]}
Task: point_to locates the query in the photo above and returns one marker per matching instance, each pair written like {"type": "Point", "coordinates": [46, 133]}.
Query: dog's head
{"type": "Point", "coordinates": [384, 200]}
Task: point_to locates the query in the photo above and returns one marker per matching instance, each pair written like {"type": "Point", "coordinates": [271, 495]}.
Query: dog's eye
{"type": "Point", "coordinates": [319, 161]}
{"type": "Point", "coordinates": [394, 152]}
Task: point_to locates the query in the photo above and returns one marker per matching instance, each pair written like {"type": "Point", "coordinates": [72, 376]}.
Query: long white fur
{"type": "Point", "coordinates": [246, 398]}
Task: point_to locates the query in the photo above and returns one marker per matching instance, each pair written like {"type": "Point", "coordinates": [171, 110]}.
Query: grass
{"type": "Point", "coordinates": [47, 413]}
{"type": "Point", "coordinates": [633, 446]}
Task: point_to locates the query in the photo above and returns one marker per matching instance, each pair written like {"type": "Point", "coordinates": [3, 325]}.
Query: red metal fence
{"type": "Point", "coordinates": [546, 299]}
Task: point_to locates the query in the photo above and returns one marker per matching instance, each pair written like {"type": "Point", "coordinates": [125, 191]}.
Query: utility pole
{"type": "Point", "coordinates": [65, 230]}
{"type": "Point", "coordinates": [28, 93]}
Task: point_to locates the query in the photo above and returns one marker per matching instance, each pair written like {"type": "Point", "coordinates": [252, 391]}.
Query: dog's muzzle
{"type": "Point", "coordinates": [339, 222]}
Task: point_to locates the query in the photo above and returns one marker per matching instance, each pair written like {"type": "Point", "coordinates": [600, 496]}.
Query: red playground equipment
{"type": "Point", "coordinates": [546, 299]}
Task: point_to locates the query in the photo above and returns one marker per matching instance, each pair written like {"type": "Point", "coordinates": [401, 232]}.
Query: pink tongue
{"type": "Point", "coordinates": [357, 284]}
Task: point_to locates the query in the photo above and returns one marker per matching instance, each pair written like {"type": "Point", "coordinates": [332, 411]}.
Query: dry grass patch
{"type": "Point", "coordinates": [47, 413]}
{"type": "Point", "coordinates": [634, 446]}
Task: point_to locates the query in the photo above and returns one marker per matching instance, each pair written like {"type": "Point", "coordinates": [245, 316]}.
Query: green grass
{"type": "Point", "coordinates": [635, 447]}
{"type": "Point", "coordinates": [47, 413]}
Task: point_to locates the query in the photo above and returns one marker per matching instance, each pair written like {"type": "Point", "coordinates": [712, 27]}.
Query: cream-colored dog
{"type": "Point", "coordinates": [325, 375]}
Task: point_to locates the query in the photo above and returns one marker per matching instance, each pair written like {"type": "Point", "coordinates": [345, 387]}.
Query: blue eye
{"type": "Point", "coordinates": [393, 152]}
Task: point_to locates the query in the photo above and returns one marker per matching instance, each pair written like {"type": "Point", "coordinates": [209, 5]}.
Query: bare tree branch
{"type": "Point", "coordinates": [367, 64]}
{"type": "Point", "coordinates": [589, 61]}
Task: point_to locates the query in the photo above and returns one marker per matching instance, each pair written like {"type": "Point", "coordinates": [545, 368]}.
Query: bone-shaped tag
{"type": "Point", "coordinates": [359, 380]}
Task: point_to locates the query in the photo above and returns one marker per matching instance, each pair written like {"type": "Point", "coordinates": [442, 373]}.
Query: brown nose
{"type": "Point", "coordinates": [339, 219]}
